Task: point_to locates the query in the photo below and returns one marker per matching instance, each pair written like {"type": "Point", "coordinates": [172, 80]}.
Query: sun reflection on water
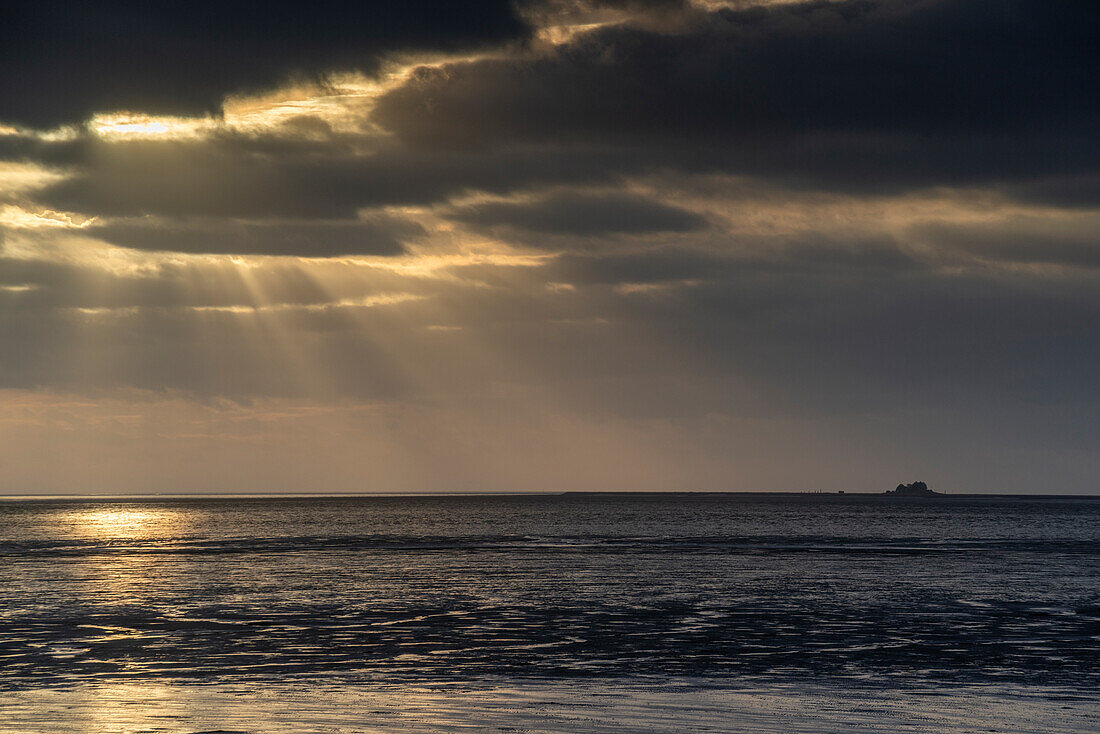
{"type": "Point", "coordinates": [288, 707]}
{"type": "Point", "coordinates": [119, 567]}
{"type": "Point", "coordinates": [125, 523]}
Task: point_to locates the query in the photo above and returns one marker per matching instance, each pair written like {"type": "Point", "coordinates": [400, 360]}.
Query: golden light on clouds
{"type": "Point", "coordinates": [382, 299]}
{"type": "Point", "coordinates": [17, 177]}
{"type": "Point", "coordinates": [126, 125]}
{"type": "Point", "coordinates": [338, 105]}
{"type": "Point", "coordinates": [451, 220]}
{"type": "Point", "coordinates": [17, 217]}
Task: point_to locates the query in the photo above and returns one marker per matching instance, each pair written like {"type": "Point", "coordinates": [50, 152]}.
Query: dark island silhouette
{"type": "Point", "coordinates": [916, 489]}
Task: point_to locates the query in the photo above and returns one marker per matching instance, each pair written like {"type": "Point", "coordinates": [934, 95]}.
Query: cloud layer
{"type": "Point", "coordinates": [59, 63]}
{"type": "Point", "coordinates": [855, 233]}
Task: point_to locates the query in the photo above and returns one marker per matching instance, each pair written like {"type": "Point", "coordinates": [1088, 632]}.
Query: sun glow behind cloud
{"type": "Point", "coordinates": [129, 125]}
{"type": "Point", "coordinates": [340, 105]}
{"type": "Point", "coordinates": [478, 238]}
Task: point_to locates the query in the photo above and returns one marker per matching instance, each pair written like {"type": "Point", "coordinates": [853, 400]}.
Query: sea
{"type": "Point", "coordinates": [550, 613]}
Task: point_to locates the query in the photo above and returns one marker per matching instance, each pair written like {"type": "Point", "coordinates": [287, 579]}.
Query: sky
{"type": "Point", "coordinates": [549, 245]}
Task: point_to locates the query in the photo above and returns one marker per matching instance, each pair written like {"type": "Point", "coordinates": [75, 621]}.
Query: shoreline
{"type": "Point", "coordinates": [601, 706]}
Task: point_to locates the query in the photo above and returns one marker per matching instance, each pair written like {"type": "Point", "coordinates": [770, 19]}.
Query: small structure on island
{"type": "Point", "coordinates": [916, 489]}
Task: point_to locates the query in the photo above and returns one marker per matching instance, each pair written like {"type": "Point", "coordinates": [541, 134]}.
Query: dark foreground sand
{"type": "Point", "coordinates": [588, 706]}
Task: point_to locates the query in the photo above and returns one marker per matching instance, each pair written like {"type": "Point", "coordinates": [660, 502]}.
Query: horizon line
{"type": "Point", "coordinates": [510, 493]}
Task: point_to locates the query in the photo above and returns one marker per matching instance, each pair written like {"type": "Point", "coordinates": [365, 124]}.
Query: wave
{"type": "Point", "coordinates": [512, 543]}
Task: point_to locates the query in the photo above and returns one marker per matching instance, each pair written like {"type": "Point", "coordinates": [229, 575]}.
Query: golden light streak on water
{"type": "Point", "coordinates": [123, 523]}
{"type": "Point", "coordinates": [610, 707]}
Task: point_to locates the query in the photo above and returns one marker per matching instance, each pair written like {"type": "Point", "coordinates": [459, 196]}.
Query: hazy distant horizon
{"type": "Point", "coordinates": [506, 493]}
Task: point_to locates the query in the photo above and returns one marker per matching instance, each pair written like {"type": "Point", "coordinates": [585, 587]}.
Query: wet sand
{"type": "Point", "coordinates": [588, 706]}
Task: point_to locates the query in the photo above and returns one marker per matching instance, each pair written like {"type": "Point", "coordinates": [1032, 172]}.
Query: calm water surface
{"type": "Point", "coordinates": [877, 592]}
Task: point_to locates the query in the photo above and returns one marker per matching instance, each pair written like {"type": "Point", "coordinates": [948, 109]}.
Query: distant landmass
{"type": "Point", "coordinates": [916, 489]}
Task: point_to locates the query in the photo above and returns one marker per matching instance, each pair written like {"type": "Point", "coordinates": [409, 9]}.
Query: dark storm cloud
{"type": "Point", "coordinates": [573, 10]}
{"type": "Point", "coordinates": [899, 341]}
{"type": "Point", "coordinates": [617, 4]}
{"type": "Point", "coordinates": [922, 92]}
{"type": "Point", "coordinates": [235, 176]}
{"type": "Point", "coordinates": [62, 61]}
{"type": "Point", "coordinates": [219, 177]}
{"type": "Point", "coordinates": [252, 177]}
{"type": "Point", "coordinates": [878, 339]}
{"type": "Point", "coordinates": [1073, 243]}
{"type": "Point", "coordinates": [860, 97]}
{"type": "Point", "coordinates": [760, 257]}
{"type": "Point", "coordinates": [204, 179]}
{"type": "Point", "coordinates": [379, 236]}
{"type": "Point", "coordinates": [584, 214]}
{"type": "Point", "coordinates": [927, 67]}
{"type": "Point", "coordinates": [860, 328]}
{"type": "Point", "coordinates": [1077, 192]}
